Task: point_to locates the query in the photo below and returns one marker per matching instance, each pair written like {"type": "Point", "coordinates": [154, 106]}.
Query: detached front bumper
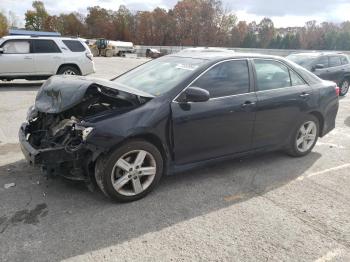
{"type": "Point", "coordinates": [48, 158]}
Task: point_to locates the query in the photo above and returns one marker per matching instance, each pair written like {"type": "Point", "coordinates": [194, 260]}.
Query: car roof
{"type": "Point", "coordinates": [315, 54]}
{"type": "Point", "coordinates": [212, 54]}
{"type": "Point", "coordinates": [9, 37]}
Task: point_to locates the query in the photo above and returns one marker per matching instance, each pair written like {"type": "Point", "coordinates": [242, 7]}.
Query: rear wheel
{"type": "Point", "coordinates": [305, 137]}
{"type": "Point", "coordinates": [94, 52]}
{"type": "Point", "coordinates": [130, 172]}
{"type": "Point", "coordinates": [344, 87]}
{"type": "Point", "coordinates": [68, 70]}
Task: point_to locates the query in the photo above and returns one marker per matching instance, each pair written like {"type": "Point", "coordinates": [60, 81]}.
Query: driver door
{"type": "Point", "coordinates": [221, 126]}
{"type": "Point", "coordinates": [16, 58]}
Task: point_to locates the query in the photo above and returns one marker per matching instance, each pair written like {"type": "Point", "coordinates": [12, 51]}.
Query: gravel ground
{"type": "Point", "coordinates": [268, 207]}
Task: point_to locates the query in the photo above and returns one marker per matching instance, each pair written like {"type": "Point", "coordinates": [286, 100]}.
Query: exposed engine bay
{"type": "Point", "coordinates": [50, 130]}
{"type": "Point", "coordinates": [58, 124]}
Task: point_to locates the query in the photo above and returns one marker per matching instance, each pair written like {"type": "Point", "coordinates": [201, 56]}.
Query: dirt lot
{"type": "Point", "coordinates": [270, 207]}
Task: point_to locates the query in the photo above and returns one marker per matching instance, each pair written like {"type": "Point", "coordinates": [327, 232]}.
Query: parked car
{"type": "Point", "coordinates": [153, 53]}
{"type": "Point", "coordinates": [329, 66]}
{"type": "Point", "coordinates": [36, 58]}
{"type": "Point", "coordinates": [175, 113]}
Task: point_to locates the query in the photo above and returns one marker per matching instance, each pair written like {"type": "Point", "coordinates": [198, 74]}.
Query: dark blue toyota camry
{"type": "Point", "coordinates": [174, 113]}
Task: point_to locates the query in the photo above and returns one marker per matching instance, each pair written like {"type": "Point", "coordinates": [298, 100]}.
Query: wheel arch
{"type": "Point", "coordinates": [69, 64]}
{"type": "Point", "coordinates": [320, 119]}
{"type": "Point", "coordinates": [154, 140]}
{"type": "Point", "coordinates": [148, 137]}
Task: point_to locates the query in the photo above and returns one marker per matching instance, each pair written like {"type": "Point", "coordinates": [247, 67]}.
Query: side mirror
{"type": "Point", "coordinates": [196, 94]}
{"type": "Point", "coordinates": [318, 66]}
{"type": "Point", "coordinates": [1, 50]}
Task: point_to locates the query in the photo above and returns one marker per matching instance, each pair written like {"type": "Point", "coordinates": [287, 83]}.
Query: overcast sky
{"type": "Point", "coordinates": [283, 12]}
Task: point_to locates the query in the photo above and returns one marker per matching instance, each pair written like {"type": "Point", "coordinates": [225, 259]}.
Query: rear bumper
{"type": "Point", "coordinates": [88, 67]}
{"type": "Point", "coordinates": [330, 117]}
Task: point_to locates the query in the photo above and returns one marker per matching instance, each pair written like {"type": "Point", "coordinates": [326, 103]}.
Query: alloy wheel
{"type": "Point", "coordinates": [133, 172]}
{"type": "Point", "coordinates": [69, 72]}
{"type": "Point", "coordinates": [306, 136]}
{"type": "Point", "coordinates": [344, 87]}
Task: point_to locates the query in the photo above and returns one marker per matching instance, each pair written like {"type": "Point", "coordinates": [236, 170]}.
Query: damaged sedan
{"type": "Point", "coordinates": [172, 114]}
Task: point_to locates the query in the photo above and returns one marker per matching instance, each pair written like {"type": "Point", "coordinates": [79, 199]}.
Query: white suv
{"type": "Point", "coordinates": [36, 58]}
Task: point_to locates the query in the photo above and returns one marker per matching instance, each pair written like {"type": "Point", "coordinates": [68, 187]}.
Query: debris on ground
{"type": "Point", "coordinates": [7, 186]}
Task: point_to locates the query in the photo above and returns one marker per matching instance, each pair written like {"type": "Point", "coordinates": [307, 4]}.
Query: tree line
{"type": "Point", "coordinates": [189, 23]}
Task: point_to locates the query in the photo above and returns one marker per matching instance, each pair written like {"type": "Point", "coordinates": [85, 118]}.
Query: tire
{"type": "Point", "coordinates": [121, 185]}
{"type": "Point", "coordinates": [68, 70]}
{"type": "Point", "coordinates": [344, 87]}
{"type": "Point", "coordinates": [109, 53]}
{"type": "Point", "coordinates": [297, 149]}
{"type": "Point", "coordinates": [94, 52]}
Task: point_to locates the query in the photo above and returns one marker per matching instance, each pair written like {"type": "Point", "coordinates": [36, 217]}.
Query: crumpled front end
{"type": "Point", "coordinates": [59, 149]}
{"type": "Point", "coordinates": [65, 113]}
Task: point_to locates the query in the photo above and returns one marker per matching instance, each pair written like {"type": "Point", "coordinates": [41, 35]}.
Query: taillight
{"type": "Point", "coordinates": [89, 55]}
{"type": "Point", "coordinates": [337, 90]}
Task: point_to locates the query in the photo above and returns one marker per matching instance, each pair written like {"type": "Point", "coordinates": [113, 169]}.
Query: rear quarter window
{"type": "Point", "coordinates": [74, 45]}
{"type": "Point", "coordinates": [344, 60]}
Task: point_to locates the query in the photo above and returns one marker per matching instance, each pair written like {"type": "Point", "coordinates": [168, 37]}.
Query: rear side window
{"type": "Point", "coordinates": [334, 61]}
{"type": "Point", "coordinates": [225, 79]}
{"type": "Point", "coordinates": [271, 75]}
{"type": "Point", "coordinates": [45, 46]}
{"type": "Point", "coordinates": [16, 47]}
{"type": "Point", "coordinates": [344, 60]}
{"type": "Point", "coordinates": [296, 79]}
{"type": "Point", "coordinates": [74, 46]}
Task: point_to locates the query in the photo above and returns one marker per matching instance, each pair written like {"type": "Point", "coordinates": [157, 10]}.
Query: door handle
{"type": "Point", "coordinates": [28, 57]}
{"type": "Point", "coordinates": [248, 103]}
{"type": "Point", "coordinates": [304, 95]}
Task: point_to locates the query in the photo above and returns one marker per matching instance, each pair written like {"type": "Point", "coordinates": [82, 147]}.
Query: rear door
{"type": "Point", "coordinates": [221, 126]}
{"type": "Point", "coordinates": [282, 96]}
{"type": "Point", "coordinates": [335, 70]}
{"type": "Point", "coordinates": [47, 56]}
{"type": "Point", "coordinates": [16, 58]}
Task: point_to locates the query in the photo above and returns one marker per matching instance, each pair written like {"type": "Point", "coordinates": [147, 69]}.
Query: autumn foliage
{"type": "Point", "coordinates": [188, 23]}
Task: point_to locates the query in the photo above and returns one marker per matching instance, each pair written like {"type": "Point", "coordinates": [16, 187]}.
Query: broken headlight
{"type": "Point", "coordinates": [86, 133]}
{"type": "Point", "coordinates": [32, 113]}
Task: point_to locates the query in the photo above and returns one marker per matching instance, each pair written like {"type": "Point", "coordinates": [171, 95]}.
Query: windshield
{"type": "Point", "coordinates": [160, 75]}
{"type": "Point", "coordinates": [303, 60]}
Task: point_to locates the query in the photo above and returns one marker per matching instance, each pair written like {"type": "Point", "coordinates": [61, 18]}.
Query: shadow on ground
{"type": "Point", "coordinates": [19, 86]}
{"type": "Point", "coordinates": [55, 219]}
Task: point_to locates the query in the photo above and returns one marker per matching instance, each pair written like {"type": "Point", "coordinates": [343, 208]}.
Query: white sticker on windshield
{"type": "Point", "coordinates": [186, 67]}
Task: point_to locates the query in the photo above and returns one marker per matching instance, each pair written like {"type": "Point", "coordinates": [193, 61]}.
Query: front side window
{"type": "Point", "coordinates": [304, 60]}
{"type": "Point", "coordinates": [323, 60]}
{"type": "Point", "coordinates": [271, 75]}
{"type": "Point", "coordinates": [225, 79]}
{"type": "Point", "coordinates": [334, 61]}
{"type": "Point", "coordinates": [45, 46]}
{"type": "Point", "coordinates": [16, 47]}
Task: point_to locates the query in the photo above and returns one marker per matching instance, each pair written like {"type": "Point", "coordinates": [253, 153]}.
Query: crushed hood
{"type": "Point", "coordinates": [60, 93]}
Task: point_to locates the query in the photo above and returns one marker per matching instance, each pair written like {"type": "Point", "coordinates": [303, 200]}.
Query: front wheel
{"type": "Point", "coordinates": [304, 137]}
{"type": "Point", "coordinates": [130, 172]}
{"type": "Point", "coordinates": [344, 87]}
